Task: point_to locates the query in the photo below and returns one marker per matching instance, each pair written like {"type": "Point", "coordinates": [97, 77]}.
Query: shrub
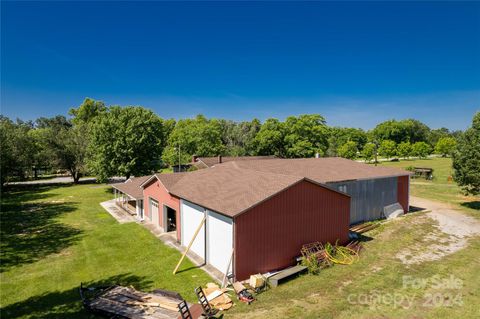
{"type": "Point", "coordinates": [311, 262]}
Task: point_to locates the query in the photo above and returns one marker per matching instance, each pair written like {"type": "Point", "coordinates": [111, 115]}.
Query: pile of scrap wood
{"type": "Point", "coordinates": [217, 298]}
{"type": "Point", "coordinates": [127, 302]}
{"type": "Point", "coordinates": [360, 229]}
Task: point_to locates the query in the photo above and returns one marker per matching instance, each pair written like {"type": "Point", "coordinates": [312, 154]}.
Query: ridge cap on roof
{"type": "Point", "coordinates": [262, 172]}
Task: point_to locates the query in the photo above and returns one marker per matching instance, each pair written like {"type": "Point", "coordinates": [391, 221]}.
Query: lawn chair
{"type": "Point", "coordinates": [208, 311]}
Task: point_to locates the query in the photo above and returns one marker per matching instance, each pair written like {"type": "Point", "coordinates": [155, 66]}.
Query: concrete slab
{"type": "Point", "coordinates": [119, 214]}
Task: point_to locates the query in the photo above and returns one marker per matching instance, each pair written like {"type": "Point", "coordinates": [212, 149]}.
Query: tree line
{"type": "Point", "coordinates": [108, 141]}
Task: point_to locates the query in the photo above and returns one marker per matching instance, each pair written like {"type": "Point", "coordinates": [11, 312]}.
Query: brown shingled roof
{"type": "Point", "coordinates": [167, 179]}
{"type": "Point", "coordinates": [210, 161]}
{"type": "Point", "coordinates": [132, 187]}
{"type": "Point", "coordinates": [229, 190]}
{"type": "Point", "coordinates": [238, 185]}
{"type": "Point", "coordinates": [170, 179]}
{"type": "Point", "coordinates": [321, 170]}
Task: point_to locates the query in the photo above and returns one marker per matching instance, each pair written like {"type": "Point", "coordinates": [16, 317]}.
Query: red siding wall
{"type": "Point", "coordinates": [402, 191]}
{"type": "Point", "coordinates": [158, 192]}
{"type": "Point", "coordinates": [270, 235]}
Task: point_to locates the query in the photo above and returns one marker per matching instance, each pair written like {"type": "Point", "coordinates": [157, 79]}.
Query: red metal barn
{"type": "Point", "coordinates": [265, 218]}
{"type": "Point", "coordinates": [270, 235]}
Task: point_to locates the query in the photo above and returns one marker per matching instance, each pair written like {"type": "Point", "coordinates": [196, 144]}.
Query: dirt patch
{"type": "Point", "coordinates": [451, 234]}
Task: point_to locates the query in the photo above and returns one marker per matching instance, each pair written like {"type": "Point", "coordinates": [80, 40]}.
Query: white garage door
{"type": "Point", "coordinates": [192, 216]}
{"type": "Point", "coordinates": [220, 240]}
{"type": "Point", "coordinates": [154, 212]}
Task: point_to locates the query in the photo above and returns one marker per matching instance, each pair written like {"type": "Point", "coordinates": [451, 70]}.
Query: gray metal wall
{"type": "Point", "coordinates": [369, 197]}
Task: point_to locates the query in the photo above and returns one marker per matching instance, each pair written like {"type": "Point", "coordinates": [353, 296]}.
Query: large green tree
{"type": "Point", "coordinates": [70, 147]}
{"type": "Point", "coordinates": [445, 146]}
{"type": "Point", "coordinates": [408, 130]}
{"type": "Point", "coordinates": [197, 136]}
{"type": "Point", "coordinates": [436, 134]}
{"type": "Point", "coordinates": [348, 150]}
{"type": "Point", "coordinates": [15, 158]}
{"type": "Point", "coordinates": [238, 137]}
{"type": "Point", "coordinates": [404, 149]}
{"type": "Point", "coordinates": [466, 158]}
{"type": "Point", "coordinates": [89, 110]}
{"type": "Point", "coordinates": [338, 136]}
{"type": "Point", "coordinates": [387, 148]}
{"type": "Point", "coordinates": [368, 152]}
{"type": "Point", "coordinates": [421, 149]}
{"type": "Point", "coordinates": [125, 141]}
{"type": "Point", "coordinates": [41, 155]}
{"type": "Point", "coordinates": [297, 136]}
{"type": "Point", "coordinates": [305, 135]}
{"type": "Point", "coordinates": [67, 141]}
{"type": "Point", "coordinates": [270, 138]}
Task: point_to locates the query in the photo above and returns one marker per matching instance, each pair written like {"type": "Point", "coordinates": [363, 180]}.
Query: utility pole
{"type": "Point", "coordinates": [179, 168]}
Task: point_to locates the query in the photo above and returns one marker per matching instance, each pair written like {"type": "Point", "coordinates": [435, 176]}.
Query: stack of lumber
{"type": "Point", "coordinates": [130, 303]}
{"type": "Point", "coordinates": [360, 229]}
{"type": "Point", "coordinates": [217, 298]}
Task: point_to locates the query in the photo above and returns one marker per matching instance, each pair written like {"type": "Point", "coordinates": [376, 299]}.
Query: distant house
{"type": "Point", "coordinates": [206, 162]}
{"type": "Point", "coordinates": [264, 210]}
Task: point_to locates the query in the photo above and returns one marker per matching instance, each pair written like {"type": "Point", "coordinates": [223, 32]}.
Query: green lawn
{"type": "Point", "coordinates": [54, 237]}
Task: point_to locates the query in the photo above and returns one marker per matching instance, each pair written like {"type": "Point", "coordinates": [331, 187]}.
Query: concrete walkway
{"type": "Point", "coordinates": [55, 180]}
{"type": "Point", "coordinates": [119, 214]}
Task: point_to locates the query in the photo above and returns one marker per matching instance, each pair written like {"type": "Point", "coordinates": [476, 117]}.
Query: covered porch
{"type": "Point", "coordinates": [128, 199]}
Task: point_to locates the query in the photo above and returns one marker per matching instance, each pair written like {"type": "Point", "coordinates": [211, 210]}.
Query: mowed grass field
{"type": "Point", "coordinates": [54, 237]}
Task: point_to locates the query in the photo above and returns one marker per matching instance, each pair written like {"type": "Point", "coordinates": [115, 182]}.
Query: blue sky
{"type": "Point", "coordinates": [356, 63]}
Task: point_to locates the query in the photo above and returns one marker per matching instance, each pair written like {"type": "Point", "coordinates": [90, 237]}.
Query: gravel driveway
{"type": "Point", "coordinates": [453, 230]}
